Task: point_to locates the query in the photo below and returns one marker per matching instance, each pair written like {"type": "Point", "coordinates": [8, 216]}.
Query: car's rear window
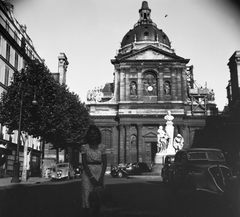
{"type": "Point", "coordinates": [62, 165]}
{"type": "Point", "coordinates": [197, 156]}
{"type": "Point", "coordinates": [215, 156]}
{"type": "Point", "coordinates": [210, 156]}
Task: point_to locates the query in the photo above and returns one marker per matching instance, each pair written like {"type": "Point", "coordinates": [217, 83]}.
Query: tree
{"type": "Point", "coordinates": [69, 121]}
{"type": "Point", "coordinates": [59, 117]}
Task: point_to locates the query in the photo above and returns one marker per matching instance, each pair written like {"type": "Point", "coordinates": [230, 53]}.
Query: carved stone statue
{"type": "Point", "coordinates": [133, 89]}
{"type": "Point", "coordinates": [169, 117]}
{"type": "Point", "coordinates": [178, 142]}
{"type": "Point", "coordinates": [163, 140]}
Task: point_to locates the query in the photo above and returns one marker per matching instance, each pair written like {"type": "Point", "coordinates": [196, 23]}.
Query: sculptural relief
{"type": "Point", "coordinates": [178, 142]}
{"type": "Point", "coordinates": [162, 139]}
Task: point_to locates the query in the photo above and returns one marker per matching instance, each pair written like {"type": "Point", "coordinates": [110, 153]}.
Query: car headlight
{"type": "Point", "coordinates": [59, 173]}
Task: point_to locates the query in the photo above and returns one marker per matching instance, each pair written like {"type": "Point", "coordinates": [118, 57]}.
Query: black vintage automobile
{"type": "Point", "coordinates": [166, 170]}
{"type": "Point", "coordinates": [129, 169]}
{"type": "Point", "coordinates": [201, 169]}
{"type": "Point", "coordinates": [78, 168]}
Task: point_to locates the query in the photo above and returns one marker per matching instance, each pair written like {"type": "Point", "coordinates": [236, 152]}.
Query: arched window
{"type": "Point", "coordinates": [106, 138]}
{"type": "Point", "coordinates": [149, 85]}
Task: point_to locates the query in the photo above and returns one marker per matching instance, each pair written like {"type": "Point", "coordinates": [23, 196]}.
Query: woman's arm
{"type": "Point", "coordinates": [104, 167]}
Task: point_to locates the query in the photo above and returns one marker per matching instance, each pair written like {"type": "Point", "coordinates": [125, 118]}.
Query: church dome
{"type": "Point", "coordinates": [145, 30]}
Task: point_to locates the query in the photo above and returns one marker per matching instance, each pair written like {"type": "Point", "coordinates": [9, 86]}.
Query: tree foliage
{"type": "Point", "coordinates": [58, 117]}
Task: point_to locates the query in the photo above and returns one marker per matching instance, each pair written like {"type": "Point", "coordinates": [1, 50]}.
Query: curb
{"type": "Point", "coordinates": [145, 177]}
{"type": "Point", "coordinates": [6, 182]}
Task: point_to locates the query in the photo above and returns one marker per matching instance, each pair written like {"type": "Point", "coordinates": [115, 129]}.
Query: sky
{"type": "Point", "coordinates": [89, 32]}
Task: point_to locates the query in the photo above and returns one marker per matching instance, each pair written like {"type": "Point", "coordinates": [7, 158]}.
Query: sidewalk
{"type": "Point", "coordinates": [6, 182]}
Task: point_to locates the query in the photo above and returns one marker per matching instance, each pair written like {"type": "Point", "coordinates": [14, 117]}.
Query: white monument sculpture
{"type": "Point", "coordinates": [166, 145]}
{"type": "Point", "coordinates": [165, 140]}
{"type": "Point", "coordinates": [170, 131]}
{"type": "Point", "coordinates": [162, 141]}
{"type": "Point", "coordinates": [178, 143]}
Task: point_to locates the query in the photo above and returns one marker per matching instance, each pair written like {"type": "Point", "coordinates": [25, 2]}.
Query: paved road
{"type": "Point", "coordinates": [135, 197]}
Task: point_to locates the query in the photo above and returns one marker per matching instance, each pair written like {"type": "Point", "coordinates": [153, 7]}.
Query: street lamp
{"type": "Point", "coordinates": [16, 164]}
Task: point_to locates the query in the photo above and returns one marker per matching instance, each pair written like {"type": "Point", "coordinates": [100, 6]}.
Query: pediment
{"type": "Point", "coordinates": [149, 55]}
{"type": "Point", "coordinates": [150, 134]}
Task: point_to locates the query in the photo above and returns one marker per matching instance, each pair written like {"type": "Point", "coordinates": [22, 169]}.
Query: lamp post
{"type": "Point", "coordinates": [16, 164]}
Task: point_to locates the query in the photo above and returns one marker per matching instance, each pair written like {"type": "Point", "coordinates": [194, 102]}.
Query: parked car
{"type": "Point", "coordinates": [166, 170]}
{"type": "Point", "coordinates": [78, 168]}
{"type": "Point", "coordinates": [129, 169]}
{"type": "Point", "coordinates": [63, 171]}
{"type": "Point", "coordinates": [201, 169]}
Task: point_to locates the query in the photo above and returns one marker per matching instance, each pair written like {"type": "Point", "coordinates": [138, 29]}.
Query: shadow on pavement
{"type": "Point", "coordinates": [147, 198]}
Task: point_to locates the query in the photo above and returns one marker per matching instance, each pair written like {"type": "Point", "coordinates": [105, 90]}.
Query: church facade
{"type": "Point", "coordinates": [149, 81]}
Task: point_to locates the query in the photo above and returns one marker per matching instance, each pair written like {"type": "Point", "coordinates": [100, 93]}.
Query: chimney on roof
{"type": "Point", "coordinates": [62, 67]}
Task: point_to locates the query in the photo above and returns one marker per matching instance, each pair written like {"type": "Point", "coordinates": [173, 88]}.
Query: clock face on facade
{"type": "Point", "coordinates": [150, 88]}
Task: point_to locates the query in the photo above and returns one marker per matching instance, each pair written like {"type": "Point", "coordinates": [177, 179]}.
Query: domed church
{"type": "Point", "coordinates": [150, 80]}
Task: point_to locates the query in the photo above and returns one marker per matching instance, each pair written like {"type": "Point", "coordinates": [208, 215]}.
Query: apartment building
{"type": "Point", "coordinates": [16, 49]}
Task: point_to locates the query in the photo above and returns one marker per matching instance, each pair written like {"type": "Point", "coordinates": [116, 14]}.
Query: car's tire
{"type": "Point", "coordinates": [119, 174]}
{"type": "Point", "coordinates": [68, 177]}
{"type": "Point", "coordinates": [189, 184]}
{"type": "Point", "coordinates": [164, 182]}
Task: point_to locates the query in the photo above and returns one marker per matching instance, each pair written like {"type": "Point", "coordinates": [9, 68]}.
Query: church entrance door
{"type": "Point", "coordinates": [150, 152]}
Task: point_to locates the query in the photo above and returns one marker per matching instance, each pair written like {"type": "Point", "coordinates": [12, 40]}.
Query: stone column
{"type": "Point", "coordinates": [122, 84]}
{"type": "Point", "coordinates": [127, 152]}
{"type": "Point", "coordinates": [179, 84]}
{"type": "Point", "coordinates": [160, 85]}
{"type": "Point", "coordinates": [114, 146]}
{"type": "Point", "coordinates": [139, 147]}
{"type": "Point", "coordinates": [121, 144]}
{"type": "Point", "coordinates": [173, 83]}
{"type": "Point", "coordinates": [127, 87]}
{"type": "Point", "coordinates": [139, 85]}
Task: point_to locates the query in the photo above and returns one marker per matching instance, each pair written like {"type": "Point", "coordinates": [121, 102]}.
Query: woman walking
{"type": "Point", "coordinates": [94, 162]}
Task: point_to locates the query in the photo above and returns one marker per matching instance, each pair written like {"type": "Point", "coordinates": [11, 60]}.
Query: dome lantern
{"type": "Point", "coordinates": [144, 14]}
{"type": "Point", "coordinates": [144, 33]}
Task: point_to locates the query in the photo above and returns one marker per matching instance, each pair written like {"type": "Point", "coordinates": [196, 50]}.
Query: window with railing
{"type": "Point", "coordinates": [7, 26]}
{"type": "Point", "coordinates": [8, 52]}
{"type": "Point", "coordinates": [16, 60]}
{"type": "Point", "coordinates": [22, 39]}
{"type": "Point", "coordinates": [15, 36]}
{"type": "Point", "coordinates": [6, 78]}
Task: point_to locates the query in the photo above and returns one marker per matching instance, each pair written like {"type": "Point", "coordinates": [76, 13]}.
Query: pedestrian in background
{"type": "Point", "coordinates": [94, 161]}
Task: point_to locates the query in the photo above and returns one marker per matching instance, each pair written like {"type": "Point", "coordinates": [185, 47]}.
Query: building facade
{"type": "Point", "coordinates": [222, 131]}
{"type": "Point", "coordinates": [233, 88]}
{"type": "Point", "coordinates": [16, 49]}
{"type": "Point", "coordinates": [149, 80]}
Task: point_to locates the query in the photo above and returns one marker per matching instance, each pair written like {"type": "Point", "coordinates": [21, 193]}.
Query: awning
{"type": "Point", "coordinates": [4, 150]}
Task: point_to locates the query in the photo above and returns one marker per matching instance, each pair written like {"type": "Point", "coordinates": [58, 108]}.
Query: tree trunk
{"type": "Point", "coordinates": [25, 158]}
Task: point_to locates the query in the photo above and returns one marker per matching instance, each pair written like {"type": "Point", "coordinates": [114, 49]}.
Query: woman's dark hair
{"type": "Point", "coordinates": [93, 127]}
